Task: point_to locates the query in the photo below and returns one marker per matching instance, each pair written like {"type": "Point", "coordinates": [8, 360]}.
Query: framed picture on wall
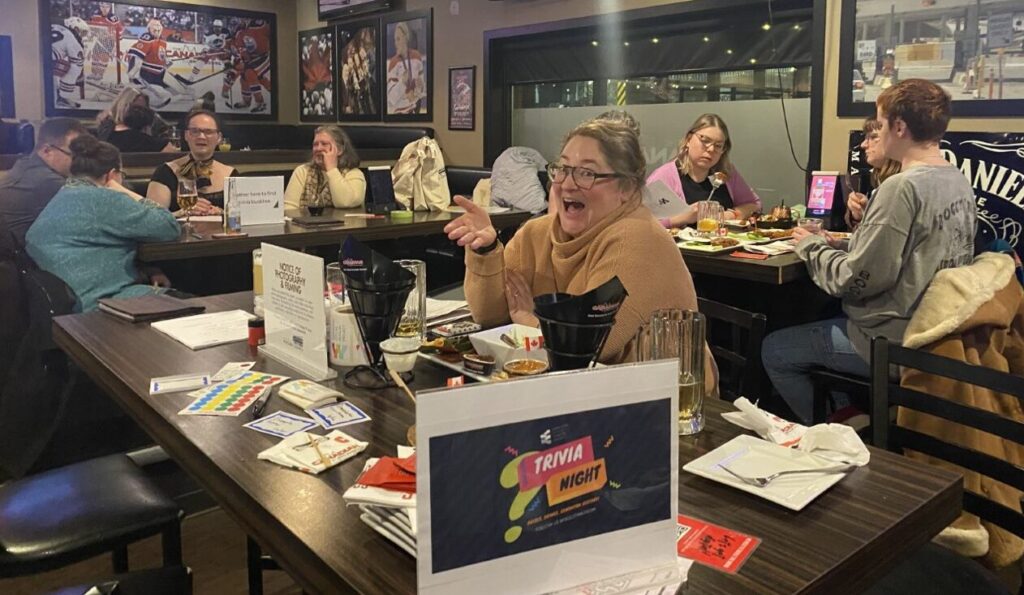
{"type": "Point", "coordinates": [974, 54]}
{"type": "Point", "coordinates": [359, 71]}
{"type": "Point", "coordinates": [6, 78]}
{"type": "Point", "coordinates": [318, 83]}
{"type": "Point", "coordinates": [409, 95]}
{"type": "Point", "coordinates": [175, 54]}
{"type": "Point", "coordinates": [462, 98]}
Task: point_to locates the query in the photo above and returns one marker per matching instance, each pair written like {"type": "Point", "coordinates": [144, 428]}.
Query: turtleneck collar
{"type": "Point", "coordinates": [565, 246]}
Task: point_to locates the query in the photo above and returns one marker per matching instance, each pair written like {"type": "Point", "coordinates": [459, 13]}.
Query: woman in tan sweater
{"type": "Point", "coordinates": [597, 229]}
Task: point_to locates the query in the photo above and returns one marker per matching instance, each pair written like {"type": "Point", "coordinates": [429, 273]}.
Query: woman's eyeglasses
{"type": "Point", "coordinates": [584, 177]}
{"type": "Point", "coordinates": [710, 143]}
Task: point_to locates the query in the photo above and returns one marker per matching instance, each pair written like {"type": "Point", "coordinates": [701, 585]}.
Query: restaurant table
{"type": "Point", "coordinates": [290, 235]}
{"type": "Point", "coordinates": [775, 270]}
{"type": "Point", "coordinates": [840, 543]}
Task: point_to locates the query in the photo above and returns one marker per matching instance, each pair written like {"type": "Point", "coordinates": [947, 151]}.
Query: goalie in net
{"type": "Point", "coordinates": [105, 42]}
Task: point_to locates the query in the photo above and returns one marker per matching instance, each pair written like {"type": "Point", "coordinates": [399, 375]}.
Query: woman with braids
{"type": "Point", "coordinates": [331, 178]}
{"type": "Point", "coordinates": [202, 134]}
{"type": "Point", "coordinates": [88, 233]}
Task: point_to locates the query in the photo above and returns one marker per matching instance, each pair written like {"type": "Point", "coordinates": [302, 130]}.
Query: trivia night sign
{"type": "Point", "coordinates": [551, 477]}
{"type": "Point", "coordinates": [994, 165]}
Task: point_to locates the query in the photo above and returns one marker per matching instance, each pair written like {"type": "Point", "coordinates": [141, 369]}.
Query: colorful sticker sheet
{"type": "Point", "coordinates": [232, 397]}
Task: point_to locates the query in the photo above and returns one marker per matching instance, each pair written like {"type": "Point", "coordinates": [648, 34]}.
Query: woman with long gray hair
{"type": "Point", "coordinates": [331, 178]}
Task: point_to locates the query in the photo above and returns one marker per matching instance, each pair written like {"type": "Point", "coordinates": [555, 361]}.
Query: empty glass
{"type": "Point", "coordinates": [679, 334]}
{"type": "Point", "coordinates": [335, 284]}
{"type": "Point", "coordinates": [709, 217]}
{"type": "Point", "coordinates": [811, 224]}
{"type": "Point", "coordinates": [414, 318]}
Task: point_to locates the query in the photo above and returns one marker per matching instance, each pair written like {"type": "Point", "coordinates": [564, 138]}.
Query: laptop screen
{"type": "Point", "coordinates": [822, 193]}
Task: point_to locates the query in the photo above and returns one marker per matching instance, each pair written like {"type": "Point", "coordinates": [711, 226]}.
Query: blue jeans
{"type": "Point", "coordinates": [790, 354]}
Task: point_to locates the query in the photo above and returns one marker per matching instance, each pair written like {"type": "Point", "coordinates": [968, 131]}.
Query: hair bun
{"type": "Point", "coordinates": [85, 145]}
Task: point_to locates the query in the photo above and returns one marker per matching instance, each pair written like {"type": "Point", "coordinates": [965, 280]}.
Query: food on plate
{"type": "Point", "coordinates": [448, 349]}
{"type": "Point", "coordinates": [525, 367]}
{"type": "Point", "coordinates": [781, 212]}
{"type": "Point", "coordinates": [725, 242]}
{"type": "Point", "coordinates": [769, 234]}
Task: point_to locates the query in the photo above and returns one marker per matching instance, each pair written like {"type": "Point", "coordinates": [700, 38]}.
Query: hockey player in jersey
{"type": "Point", "coordinates": [253, 46]}
{"type": "Point", "coordinates": [147, 67]}
{"type": "Point", "coordinates": [105, 46]}
{"type": "Point", "coordinates": [68, 57]}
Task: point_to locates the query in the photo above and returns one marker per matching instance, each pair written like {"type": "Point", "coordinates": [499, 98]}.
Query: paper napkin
{"type": "Point", "coordinates": [311, 453]}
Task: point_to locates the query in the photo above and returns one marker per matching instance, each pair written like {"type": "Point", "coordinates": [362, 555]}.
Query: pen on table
{"type": "Point", "coordinates": [316, 446]}
{"type": "Point", "coordinates": [196, 235]}
{"type": "Point", "coordinates": [261, 404]}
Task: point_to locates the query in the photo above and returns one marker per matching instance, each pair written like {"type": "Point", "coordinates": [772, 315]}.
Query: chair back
{"type": "Point", "coordinates": [887, 392]}
{"type": "Point", "coordinates": [735, 337]}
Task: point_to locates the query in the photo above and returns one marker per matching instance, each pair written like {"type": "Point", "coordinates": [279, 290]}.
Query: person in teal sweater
{"type": "Point", "coordinates": [88, 234]}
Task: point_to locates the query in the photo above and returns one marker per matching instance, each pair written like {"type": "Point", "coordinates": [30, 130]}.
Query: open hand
{"type": "Point", "coordinates": [519, 296]}
{"type": "Point", "coordinates": [474, 229]}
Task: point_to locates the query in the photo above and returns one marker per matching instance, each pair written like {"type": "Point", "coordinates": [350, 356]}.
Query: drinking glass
{"type": "Point", "coordinates": [679, 334]}
{"type": "Point", "coordinates": [335, 284]}
{"type": "Point", "coordinates": [187, 199]}
{"type": "Point", "coordinates": [257, 271]}
{"type": "Point", "coordinates": [225, 144]}
{"type": "Point", "coordinates": [811, 224]}
{"type": "Point", "coordinates": [709, 217]}
{"type": "Point", "coordinates": [414, 318]}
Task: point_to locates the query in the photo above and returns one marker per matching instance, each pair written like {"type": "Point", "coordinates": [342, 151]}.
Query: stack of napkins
{"type": "Point", "coordinates": [311, 453]}
{"type": "Point", "coordinates": [386, 495]}
{"type": "Point", "coordinates": [835, 442]}
{"type": "Point", "coordinates": [772, 249]}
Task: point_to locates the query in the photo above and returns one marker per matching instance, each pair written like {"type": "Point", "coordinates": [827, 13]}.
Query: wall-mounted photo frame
{"type": "Point", "coordinates": [6, 77]}
{"type": "Point", "coordinates": [408, 43]}
{"type": "Point", "coordinates": [318, 80]}
{"type": "Point", "coordinates": [359, 71]}
{"type": "Point", "coordinates": [462, 98]}
{"type": "Point", "coordinates": [974, 50]}
{"type": "Point", "coordinates": [175, 54]}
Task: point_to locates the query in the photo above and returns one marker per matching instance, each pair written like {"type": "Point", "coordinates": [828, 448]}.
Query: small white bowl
{"type": "Point", "coordinates": [400, 353]}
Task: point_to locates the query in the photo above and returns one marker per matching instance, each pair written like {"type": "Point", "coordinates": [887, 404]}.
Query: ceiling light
{"type": "Point", "coordinates": [655, 40]}
{"type": "Point", "coordinates": [766, 26]}
{"type": "Point", "coordinates": [796, 27]}
{"type": "Point", "coordinates": [753, 60]}
{"type": "Point", "coordinates": [594, 43]}
{"type": "Point", "coordinates": [706, 39]}
{"type": "Point", "coordinates": [728, 52]}
{"type": "Point", "coordinates": [625, 43]}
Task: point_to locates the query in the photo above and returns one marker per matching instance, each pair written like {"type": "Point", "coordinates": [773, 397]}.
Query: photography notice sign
{"type": "Point", "coordinates": [293, 299]}
{"type": "Point", "coordinates": [260, 199]}
{"type": "Point", "coordinates": [556, 480]}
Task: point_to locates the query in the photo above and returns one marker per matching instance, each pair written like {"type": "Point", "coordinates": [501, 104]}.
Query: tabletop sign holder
{"type": "Point", "coordinates": [260, 199]}
{"type": "Point", "coordinates": [556, 480]}
{"type": "Point", "coordinates": [293, 301]}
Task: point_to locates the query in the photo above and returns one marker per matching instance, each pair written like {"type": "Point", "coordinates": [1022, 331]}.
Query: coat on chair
{"type": "Point", "coordinates": [973, 314]}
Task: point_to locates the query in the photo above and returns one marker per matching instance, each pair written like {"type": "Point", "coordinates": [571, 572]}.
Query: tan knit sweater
{"type": "Point", "coordinates": [628, 243]}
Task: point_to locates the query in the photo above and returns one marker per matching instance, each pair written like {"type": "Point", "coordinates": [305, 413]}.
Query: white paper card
{"type": "Point", "coordinates": [556, 480]}
{"type": "Point", "coordinates": [207, 330]}
{"type": "Point", "coordinates": [260, 199]}
{"type": "Point", "coordinates": [662, 202]}
{"type": "Point", "coordinates": [293, 304]}
{"type": "Point", "coordinates": [232, 370]}
{"type": "Point", "coordinates": [335, 415]}
{"type": "Point", "coordinates": [281, 424]}
{"type": "Point", "coordinates": [177, 384]}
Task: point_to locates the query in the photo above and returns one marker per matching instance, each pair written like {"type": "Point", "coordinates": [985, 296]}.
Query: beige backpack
{"type": "Point", "coordinates": [421, 183]}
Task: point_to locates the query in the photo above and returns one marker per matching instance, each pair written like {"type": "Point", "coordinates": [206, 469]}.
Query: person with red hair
{"type": "Point", "coordinates": [921, 220]}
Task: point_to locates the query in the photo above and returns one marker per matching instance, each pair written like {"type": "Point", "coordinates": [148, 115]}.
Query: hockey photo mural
{"type": "Point", "coordinates": [176, 54]}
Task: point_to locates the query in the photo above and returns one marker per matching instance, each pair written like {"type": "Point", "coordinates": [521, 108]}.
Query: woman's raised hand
{"type": "Point", "coordinates": [330, 157]}
{"type": "Point", "coordinates": [474, 229]}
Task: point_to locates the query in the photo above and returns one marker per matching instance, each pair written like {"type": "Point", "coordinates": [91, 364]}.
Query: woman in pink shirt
{"type": "Point", "coordinates": [704, 152]}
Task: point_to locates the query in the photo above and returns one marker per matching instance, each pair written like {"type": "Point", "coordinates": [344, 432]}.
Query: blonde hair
{"type": "Point", "coordinates": [888, 169]}
{"type": "Point", "coordinates": [620, 146]}
{"type": "Point", "coordinates": [702, 122]}
{"type": "Point", "coordinates": [123, 103]}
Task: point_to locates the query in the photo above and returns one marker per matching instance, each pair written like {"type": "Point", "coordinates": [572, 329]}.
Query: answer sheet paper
{"type": "Point", "coordinates": [207, 330]}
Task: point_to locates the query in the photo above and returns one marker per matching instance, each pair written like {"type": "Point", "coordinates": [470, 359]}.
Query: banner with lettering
{"type": "Point", "coordinates": [993, 162]}
{"type": "Point", "coordinates": [573, 467]}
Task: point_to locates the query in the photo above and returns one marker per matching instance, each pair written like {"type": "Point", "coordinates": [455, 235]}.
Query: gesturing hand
{"type": "Point", "coordinates": [519, 296]}
{"type": "Point", "coordinates": [474, 229]}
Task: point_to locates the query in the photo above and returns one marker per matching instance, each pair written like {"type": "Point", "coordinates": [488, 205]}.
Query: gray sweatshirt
{"type": "Point", "coordinates": [920, 222]}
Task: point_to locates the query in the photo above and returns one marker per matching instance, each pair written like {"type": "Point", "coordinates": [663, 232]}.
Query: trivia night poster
{"type": "Point", "coordinates": [519, 487]}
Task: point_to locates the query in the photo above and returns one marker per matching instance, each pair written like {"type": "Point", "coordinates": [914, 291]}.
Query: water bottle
{"type": "Point", "coordinates": [232, 214]}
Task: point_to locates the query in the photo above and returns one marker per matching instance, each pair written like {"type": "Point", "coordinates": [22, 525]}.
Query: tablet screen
{"type": "Point", "coordinates": [821, 194]}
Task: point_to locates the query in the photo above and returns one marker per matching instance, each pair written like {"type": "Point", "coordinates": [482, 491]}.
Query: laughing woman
{"type": "Point", "coordinates": [598, 229]}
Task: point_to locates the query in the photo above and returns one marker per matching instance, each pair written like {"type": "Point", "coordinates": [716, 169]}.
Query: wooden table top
{"type": "Point", "coordinates": [289, 235]}
{"type": "Point", "coordinates": [775, 270]}
{"type": "Point", "coordinates": [840, 543]}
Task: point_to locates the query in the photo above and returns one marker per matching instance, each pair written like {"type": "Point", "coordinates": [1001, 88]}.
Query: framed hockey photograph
{"type": "Point", "coordinates": [462, 98]}
{"type": "Point", "coordinates": [407, 73]}
{"type": "Point", "coordinates": [359, 71]}
{"type": "Point", "coordinates": [177, 55]}
{"type": "Point", "coordinates": [318, 80]}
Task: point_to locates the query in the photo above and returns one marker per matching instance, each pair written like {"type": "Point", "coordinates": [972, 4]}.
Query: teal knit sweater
{"type": "Point", "coordinates": [88, 235]}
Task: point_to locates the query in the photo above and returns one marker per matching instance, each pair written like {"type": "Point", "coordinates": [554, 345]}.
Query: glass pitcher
{"type": "Point", "coordinates": [679, 334]}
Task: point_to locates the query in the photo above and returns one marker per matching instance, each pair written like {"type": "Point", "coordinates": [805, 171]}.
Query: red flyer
{"type": "Point", "coordinates": [714, 546]}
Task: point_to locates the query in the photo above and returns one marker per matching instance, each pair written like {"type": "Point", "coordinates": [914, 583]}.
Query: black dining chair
{"type": "Point", "coordinates": [171, 580]}
{"type": "Point", "coordinates": [735, 338]}
{"type": "Point", "coordinates": [72, 513]}
{"type": "Point", "coordinates": [826, 381]}
{"type": "Point", "coordinates": [936, 565]}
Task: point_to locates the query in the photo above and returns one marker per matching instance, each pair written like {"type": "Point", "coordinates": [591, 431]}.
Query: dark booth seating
{"type": "Point", "coordinates": [16, 138]}
{"type": "Point", "coordinates": [462, 180]}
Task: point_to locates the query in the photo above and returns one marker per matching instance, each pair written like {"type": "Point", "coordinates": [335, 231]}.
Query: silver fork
{"type": "Point", "coordinates": [760, 482]}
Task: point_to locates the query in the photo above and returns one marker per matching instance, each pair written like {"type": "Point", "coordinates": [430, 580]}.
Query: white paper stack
{"type": "Point", "coordinates": [311, 453]}
{"type": "Point", "coordinates": [390, 513]}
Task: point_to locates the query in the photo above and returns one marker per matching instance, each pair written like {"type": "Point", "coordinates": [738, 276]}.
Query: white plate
{"type": "Point", "coordinates": [752, 457]}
